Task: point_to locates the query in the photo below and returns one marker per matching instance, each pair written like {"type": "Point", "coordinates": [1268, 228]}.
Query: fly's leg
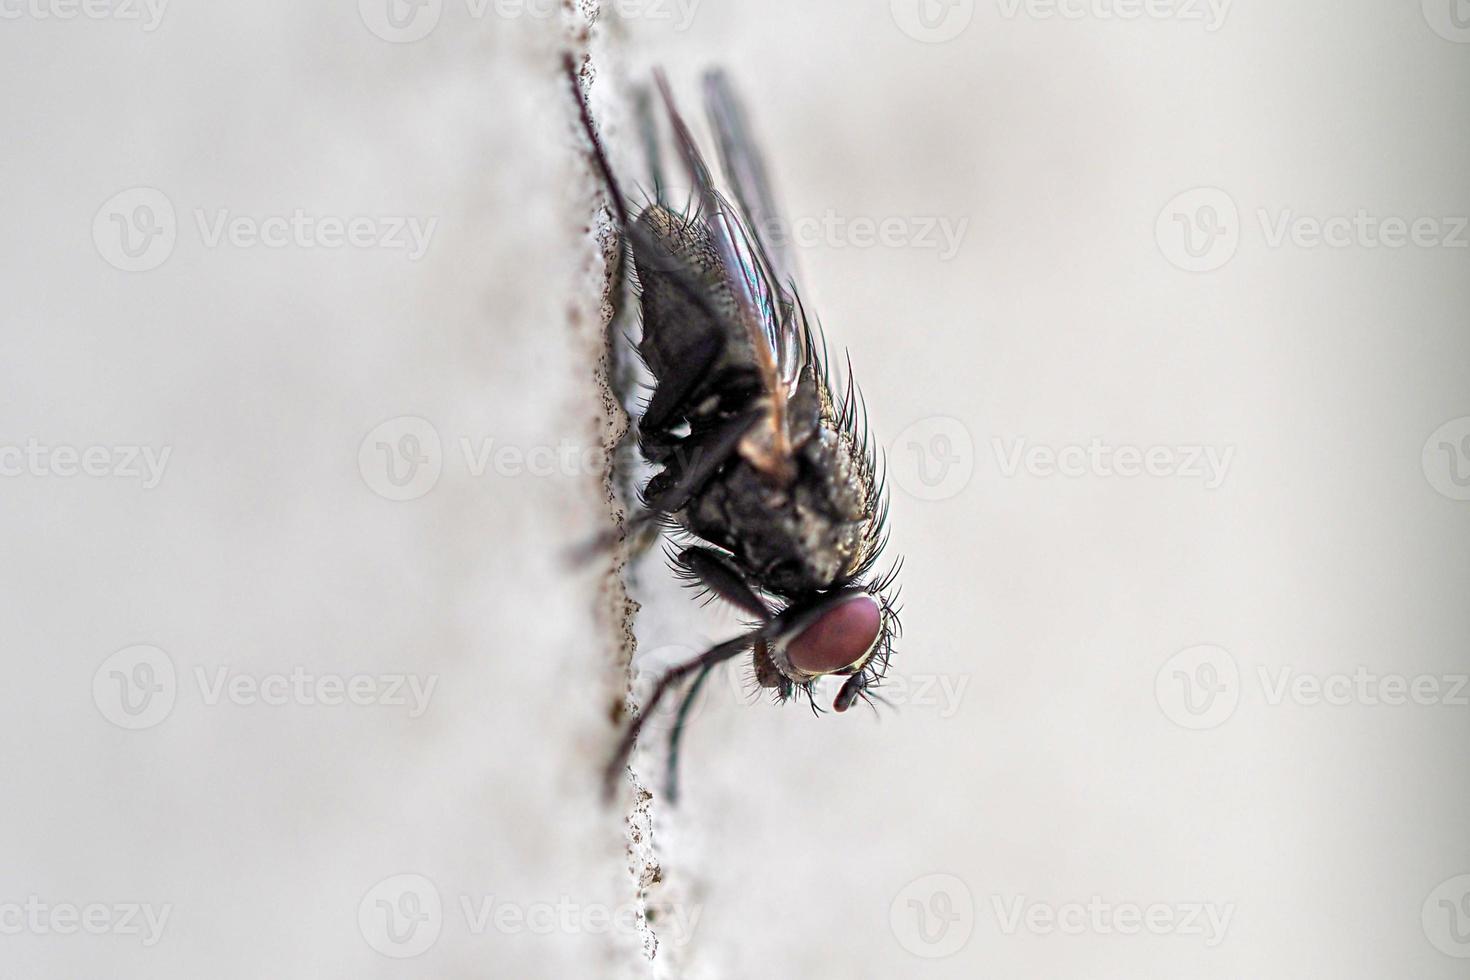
{"type": "Point", "coordinates": [715, 572]}
{"type": "Point", "coordinates": [675, 675]}
{"type": "Point", "coordinates": [676, 734]}
{"type": "Point", "coordinates": [621, 366]}
{"type": "Point", "coordinates": [599, 153]}
{"type": "Point", "coordinates": [773, 626]}
{"type": "Point", "coordinates": [642, 527]}
{"type": "Point", "coordinates": [691, 463]}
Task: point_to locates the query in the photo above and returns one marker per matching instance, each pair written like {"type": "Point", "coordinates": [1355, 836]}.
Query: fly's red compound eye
{"type": "Point", "coordinates": [838, 638]}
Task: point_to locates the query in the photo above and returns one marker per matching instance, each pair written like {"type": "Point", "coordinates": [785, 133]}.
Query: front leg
{"type": "Point", "coordinates": [716, 573]}
{"type": "Point", "coordinates": [715, 655]}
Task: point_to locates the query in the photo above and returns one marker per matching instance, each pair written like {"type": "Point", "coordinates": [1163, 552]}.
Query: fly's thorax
{"type": "Point", "coordinates": [687, 303]}
{"type": "Point", "coordinates": [797, 538]}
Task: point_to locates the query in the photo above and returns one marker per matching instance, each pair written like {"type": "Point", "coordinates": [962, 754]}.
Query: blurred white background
{"type": "Point", "coordinates": [1160, 309]}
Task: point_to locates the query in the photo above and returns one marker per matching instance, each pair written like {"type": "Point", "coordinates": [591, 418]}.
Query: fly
{"type": "Point", "coordinates": [765, 477]}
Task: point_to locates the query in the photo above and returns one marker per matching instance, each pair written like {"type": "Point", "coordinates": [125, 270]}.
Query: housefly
{"type": "Point", "coordinates": [766, 481]}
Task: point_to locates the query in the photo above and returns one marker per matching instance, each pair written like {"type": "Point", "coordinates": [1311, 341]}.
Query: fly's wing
{"type": "Point", "coordinates": [745, 169]}
{"type": "Point", "coordinates": [757, 305]}
{"type": "Point", "coordinates": [800, 349]}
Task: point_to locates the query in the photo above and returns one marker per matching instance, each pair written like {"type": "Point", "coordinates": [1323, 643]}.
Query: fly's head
{"type": "Point", "coordinates": [848, 632]}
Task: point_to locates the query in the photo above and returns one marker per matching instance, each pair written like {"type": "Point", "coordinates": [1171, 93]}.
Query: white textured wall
{"type": "Point", "coordinates": [1043, 760]}
{"type": "Point", "coordinates": [269, 546]}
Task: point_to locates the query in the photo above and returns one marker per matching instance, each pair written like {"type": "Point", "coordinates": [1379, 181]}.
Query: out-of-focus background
{"type": "Point", "coordinates": [1160, 309]}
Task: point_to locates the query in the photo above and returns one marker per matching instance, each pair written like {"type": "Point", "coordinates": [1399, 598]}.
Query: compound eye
{"type": "Point", "coordinates": [838, 638]}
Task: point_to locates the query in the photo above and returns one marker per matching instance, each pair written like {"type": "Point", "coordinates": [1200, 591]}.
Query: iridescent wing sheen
{"type": "Point", "coordinates": [767, 235]}
{"type": "Point", "coordinates": [797, 340]}
{"type": "Point", "coordinates": [758, 301]}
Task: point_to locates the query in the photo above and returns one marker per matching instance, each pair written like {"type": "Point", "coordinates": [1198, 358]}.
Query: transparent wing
{"type": "Point", "coordinates": [756, 297]}
{"type": "Point", "coordinates": [745, 169]}
{"type": "Point", "coordinates": [758, 303]}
